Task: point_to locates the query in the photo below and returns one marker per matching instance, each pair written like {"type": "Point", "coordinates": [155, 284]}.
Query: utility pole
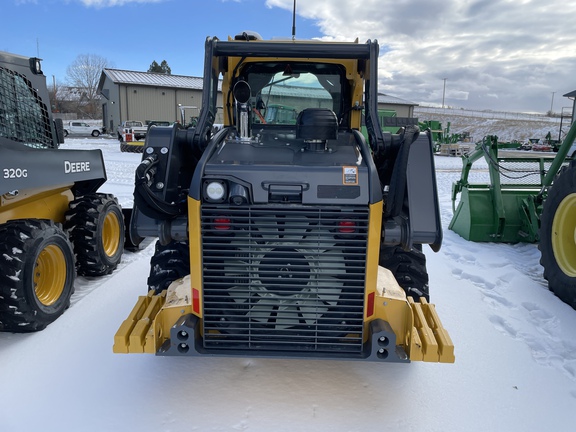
{"type": "Point", "coordinates": [443, 92]}
{"type": "Point", "coordinates": [294, 22]}
{"type": "Point", "coordinates": [55, 95]}
{"type": "Point", "coordinates": [552, 104]}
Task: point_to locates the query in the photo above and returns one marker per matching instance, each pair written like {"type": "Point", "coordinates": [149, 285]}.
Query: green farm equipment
{"type": "Point", "coordinates": [528, 199]}
{"type": "Point", "coordinates": [436, 132]}
{"type": "Point", "coordinates": [390, 122]}
{"type": "Point", "coordinates": [443, 141]}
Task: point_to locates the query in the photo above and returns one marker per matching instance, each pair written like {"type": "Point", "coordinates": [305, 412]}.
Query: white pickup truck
{"type": "Point", "coordinates": [137, 128]}
{"type": "Point", "coordinates": [76, 127]}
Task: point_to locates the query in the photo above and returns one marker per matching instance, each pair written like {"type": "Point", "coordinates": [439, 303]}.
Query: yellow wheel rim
{"type": "Point", "coordinates": [564, 235]}
{"type": "Point", "coordinates": [50, 275]}
{"type": "Point", "coordinates": [111, 234]}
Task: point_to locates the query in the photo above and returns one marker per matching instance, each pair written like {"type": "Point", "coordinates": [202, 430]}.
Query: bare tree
{"type": "Point", "coordinates": [84, 74]}
{"type": "Point", "coordinates": [53, 94]}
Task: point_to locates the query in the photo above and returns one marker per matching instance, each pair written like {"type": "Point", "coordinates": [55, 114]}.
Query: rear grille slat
{"type": "Point", "coordinates": [284, 278]}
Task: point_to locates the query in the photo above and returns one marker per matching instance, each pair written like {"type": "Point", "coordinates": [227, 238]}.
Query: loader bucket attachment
{"type": "Point", "coordinates": [507, 207]}
{"type": "Point", "coordinates": [486, 215]}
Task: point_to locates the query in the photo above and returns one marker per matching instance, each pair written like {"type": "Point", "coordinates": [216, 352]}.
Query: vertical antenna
{"type": "Point", "coordinates": [38, 47]}
{"type": "Point", "coordinates": [294, 21]}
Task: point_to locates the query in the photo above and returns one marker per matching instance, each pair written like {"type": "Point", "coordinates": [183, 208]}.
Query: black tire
{"type": "Point", "coordinates": [409, 269]}
{"type": "Point", "coordinates": [557, 243]}
{"type": "Point", "coordinates": [95, 133]}
{"type": "Point", "coordinates": [96, 228]}
{"type": "Point", "coordinates": [169, 263]}
{"type": "Point", "coordinates": [127, 148]}
{"type": "Point", "coordinates": [37, 274]}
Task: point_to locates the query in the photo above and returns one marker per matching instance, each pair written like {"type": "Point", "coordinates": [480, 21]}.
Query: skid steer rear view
{"type": "Point", "coordinates": [288, 239]}
{"type": "Point", "coordinates": [53, 223]}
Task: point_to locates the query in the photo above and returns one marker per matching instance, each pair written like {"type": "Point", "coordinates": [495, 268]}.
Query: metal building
{"type": "Point", "coordinates": [572, 95]}
{"type": "Point", "coordinates": [144, 96]}
{"type": "Point", "coordinates": [402, 107]}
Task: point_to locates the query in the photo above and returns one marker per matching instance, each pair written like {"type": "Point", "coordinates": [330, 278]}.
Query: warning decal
{"type": "Point", "coordinates": [350, 175]}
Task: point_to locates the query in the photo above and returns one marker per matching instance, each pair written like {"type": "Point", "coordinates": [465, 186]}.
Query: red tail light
{"type": "Point", "coordinates": [346, 227]}
{"type": "Point", "coordinates": [222, 223]}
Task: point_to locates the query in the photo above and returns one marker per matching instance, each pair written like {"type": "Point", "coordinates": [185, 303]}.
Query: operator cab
{"type": "Point", "coordinates": [296, 103]}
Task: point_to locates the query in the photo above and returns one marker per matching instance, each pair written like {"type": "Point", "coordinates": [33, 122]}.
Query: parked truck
{"type": "Point", "coordinates": [137, 128]}
{"type": "Point", "coordinates": [76, 127]}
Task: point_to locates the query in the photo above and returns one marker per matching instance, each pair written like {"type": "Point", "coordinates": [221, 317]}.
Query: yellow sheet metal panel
{"type": "Point", "coordinates": [37, 203]}
{"type": "Point", "coordinates": [372, 254]}
{"type": "Point", "coordinates": [195, 241]}
{"type": "Point", "coordinates": [177, 303]}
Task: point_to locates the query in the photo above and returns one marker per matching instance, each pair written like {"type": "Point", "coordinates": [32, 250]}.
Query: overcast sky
{"type": "Point", "coordinates": [509, 55]}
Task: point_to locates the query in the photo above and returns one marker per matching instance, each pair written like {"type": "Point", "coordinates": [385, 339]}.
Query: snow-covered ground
{"type": "Point", "coordinates": [505, 128]}
{"type": "Point", "coordinates": [515, 364]}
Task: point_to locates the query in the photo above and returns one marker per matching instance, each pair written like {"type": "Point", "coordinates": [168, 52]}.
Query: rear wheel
{"type": "Point", "coordinates": [409, 269]}
{"type": "Point", "coordinates": [95, 133]}
{"type": "Point", "coordinates": [558, 236]}
{"type": "Point", "coordinates": [169, 263]}
{"type": "Point", "coordinates": [36, 276]}
{"type": "Point", "coordinates": [96, 227]}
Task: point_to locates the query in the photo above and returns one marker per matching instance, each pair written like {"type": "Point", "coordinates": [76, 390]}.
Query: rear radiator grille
{"type": "Point", "coordinates": [284, 278]}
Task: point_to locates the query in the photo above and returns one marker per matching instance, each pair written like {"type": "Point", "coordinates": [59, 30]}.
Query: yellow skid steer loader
{"type": "Point", "coordinates": [288, 239]}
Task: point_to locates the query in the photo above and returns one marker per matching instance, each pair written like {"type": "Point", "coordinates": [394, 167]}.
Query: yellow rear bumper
{"type": "Point", "coordinates": [163, 324]}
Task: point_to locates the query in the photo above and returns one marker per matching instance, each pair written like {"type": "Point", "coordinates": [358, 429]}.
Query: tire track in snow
{"type": "Point", "coordinates": [508, 290]}
{"type": "Point", "coordinates": [84, 285]}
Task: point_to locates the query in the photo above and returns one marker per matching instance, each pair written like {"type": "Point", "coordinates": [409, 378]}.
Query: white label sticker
{"type": "Point", "coordinates": [350, 175]}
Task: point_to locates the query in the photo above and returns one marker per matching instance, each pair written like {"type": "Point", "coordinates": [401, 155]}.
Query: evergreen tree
{"type": "Point", "coordinates": [165, 68]}
{"type": "Point", "coordinates": [161, 68]}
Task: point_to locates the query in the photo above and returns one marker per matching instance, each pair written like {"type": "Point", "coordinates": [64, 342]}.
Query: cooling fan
{"type": "Point", "coordinates": [286, 273]}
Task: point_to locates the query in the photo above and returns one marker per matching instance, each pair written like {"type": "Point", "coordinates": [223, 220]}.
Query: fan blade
{"type": "Point", "coordinates": [261, 313]}
{"type": "Point", "coordinates": [312, 314]}
{"type": "Point", "coordinates": [286, 317]}
{"type": "Point", "coordinates": [329, 292]}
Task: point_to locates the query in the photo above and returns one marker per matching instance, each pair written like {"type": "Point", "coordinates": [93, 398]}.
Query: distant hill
{"type": "Point", "coordinates": [479, 124]}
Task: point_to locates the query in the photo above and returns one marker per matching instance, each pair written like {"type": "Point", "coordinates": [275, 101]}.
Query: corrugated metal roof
{"type": "Point", "coordinates": [387, 99]}
{"type": "Point", "coordinates": [119, 76]}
